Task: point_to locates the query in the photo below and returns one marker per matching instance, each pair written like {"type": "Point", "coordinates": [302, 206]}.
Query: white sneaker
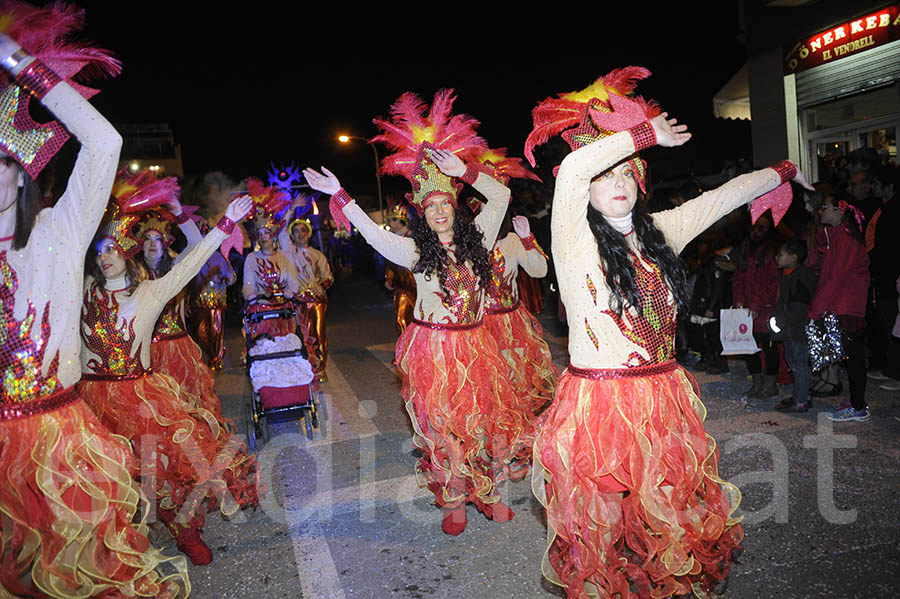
{"type": "Point", "coordinates": [890, 385]}
{"type": "Point", "coordinates": [877, 375]}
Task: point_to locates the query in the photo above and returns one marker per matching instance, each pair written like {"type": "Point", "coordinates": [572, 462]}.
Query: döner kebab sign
{"type": "Point", "coordinates": [848, 38]}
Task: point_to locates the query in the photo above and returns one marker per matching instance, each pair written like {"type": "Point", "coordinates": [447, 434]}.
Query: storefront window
{"type": "Point", "coordinates": [851, 110]}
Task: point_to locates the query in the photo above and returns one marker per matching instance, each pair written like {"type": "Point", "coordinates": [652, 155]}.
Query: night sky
{"type": "Point", "coordinates": [243, 89]}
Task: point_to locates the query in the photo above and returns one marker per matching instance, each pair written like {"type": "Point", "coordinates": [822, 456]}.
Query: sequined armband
{"type": "Point", "coordinates": [530, 243]}
{"type": "Point", "coordinates": [786, 170]}
{"type": "Point", "coordinates": [342, 197]}
{"type": "Point", "coordinates": [37, 78]}
{"type": "Point", "coordinates": [470, 175]}
{"type": "Point", "coordinates": [182, 218]}
{"type": "Point", "coordinates": [226, 225]}
{"type": "Point", "coordinates": [643, 135]}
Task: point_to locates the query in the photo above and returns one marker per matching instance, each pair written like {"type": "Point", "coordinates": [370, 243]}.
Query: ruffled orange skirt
{"type": "Point", "coordinates": [530, 367]}
{"type": "Point", "coordinates": [73, 521]}
{"type": "Point", "coordinates": [453, 380]}
{"type": "Point", "coordinates": [180, 447]}
{"type": "Point", "coordinates": [180, 358]}
{"type": "Point", "coordinates": [629, 478]}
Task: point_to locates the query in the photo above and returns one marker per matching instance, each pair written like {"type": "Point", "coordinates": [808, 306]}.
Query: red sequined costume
{"type": "Point", "coordinates": [208, 304]}
{"type": "Point", "coordinates": [72, 519]}
{"type": "Point", "coordinates": [197, 463]}
{"type": "Point", "coordinates": [518, 333]}
{"type": "Point", "coordinates": [274, 279]}
{"type": "Point", "coordinates": [622, 463]}
{"type": "Point", "coordinates": [453, 376]}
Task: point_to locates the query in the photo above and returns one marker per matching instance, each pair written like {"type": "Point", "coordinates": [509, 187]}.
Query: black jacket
{"type": "Point", "coordinates": [795, 293]}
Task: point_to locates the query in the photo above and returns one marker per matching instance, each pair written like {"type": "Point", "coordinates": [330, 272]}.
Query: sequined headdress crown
{"type": "Point", "coordinates": [300, 222]}
{"type": "Point", "coordinates": [267, 203]}
{"type": "Point", "coordinates": [410, 133]}
{"type": "Point", "coordinates": [398, 211]}
{"type": "Point", "coordinates": [497, 164]}
{"type": "Point", "coordinates": [44, 33]}
{"type": "Point", "coordinates": [598, 111]}
{"type": "Point", "coordinates": [132, 197]}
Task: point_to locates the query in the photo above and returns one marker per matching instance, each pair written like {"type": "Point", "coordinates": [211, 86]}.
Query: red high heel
{"type": "Point", "coordinates": [498, 512]}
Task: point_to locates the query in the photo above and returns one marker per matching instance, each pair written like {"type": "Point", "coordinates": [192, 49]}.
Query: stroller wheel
{"type": "Point", "coordinates": [251, 428]}
{"type": "Point", "coordinates": [307, 417]}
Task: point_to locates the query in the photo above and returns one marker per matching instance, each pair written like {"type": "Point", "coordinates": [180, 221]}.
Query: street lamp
{"type": "Point", "coordinates": [346, 139]}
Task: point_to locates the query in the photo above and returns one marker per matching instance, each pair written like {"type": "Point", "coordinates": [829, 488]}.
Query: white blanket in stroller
{"type": "Point", "coordinates": [280, 372]}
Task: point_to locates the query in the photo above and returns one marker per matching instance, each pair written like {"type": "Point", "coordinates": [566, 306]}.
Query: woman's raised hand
{"type": "Point", "coordinates": [521, 226]}
{"type": "Point", "coordinates": [449, 163]}
{"type": "Point", "coordinates": [239, 208]}
{"type": "Point", "coordinates": [326, 183]}
{"type": "Point", "coordinates": [800, 179]}
{"type": "Point", "coordinates": [668, 132]}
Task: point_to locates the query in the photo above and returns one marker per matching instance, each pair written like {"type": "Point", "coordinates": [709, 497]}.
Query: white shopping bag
{"type": "Point", "coordinates": [736, 332]}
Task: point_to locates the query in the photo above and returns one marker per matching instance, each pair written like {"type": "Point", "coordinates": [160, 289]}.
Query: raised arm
{"type": "Point", "coordinates": [166, 287]}
{"type": "Point", "coordinates": [188, 227]}
{"type": "Point", "coordinates": [397, 249]}
{"type": "Point", "coordinates": [531, 257]}
{"type": "Point", "coordinates": [77, 213]}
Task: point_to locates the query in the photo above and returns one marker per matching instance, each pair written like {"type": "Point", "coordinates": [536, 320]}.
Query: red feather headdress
{"type": "Point", "coordinates": [267, 203]}
{"type": "Point", "coordinates": [598, 111]}
{"type": "Point", "coordinates": [497, 164]}
{"type": "Point", "coordinates": [46, 34]}
{"type": "Point", "coordinates": [410, 132]}
{"type": "Point", "coordinates": [133, 196]}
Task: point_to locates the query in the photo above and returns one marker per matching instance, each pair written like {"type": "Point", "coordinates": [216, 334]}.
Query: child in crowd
{"type": "Point", "coordinates": [790, 317]}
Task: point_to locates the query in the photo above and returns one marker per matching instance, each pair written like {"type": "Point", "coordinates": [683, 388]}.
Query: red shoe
{"type": "Point", "coordinates": [455, 521]}
{"type": "Point", "coordinates": [498, 512]}
{"type": "Point", "coordinates": [190, 544]}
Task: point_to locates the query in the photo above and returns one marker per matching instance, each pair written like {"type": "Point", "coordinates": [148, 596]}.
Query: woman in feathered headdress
{"type": "Point", "coordinates": [452, 373]}
{"type": "Point", "coordinates": [72, 517]}
{"type": "Point", "coordinates": [629, 477]}
{"type": "Point", "coordinates": [518, 333]}
{"type": "Point", "coordinates": [178, 445]}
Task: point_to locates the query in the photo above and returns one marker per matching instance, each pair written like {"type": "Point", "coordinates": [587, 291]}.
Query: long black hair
{"type": "Point", "coordinates": [616, 259]}
{"type": "Point", "coordinates": [28, 204]}
{"type": "Point", "coordinates": [469, 242]}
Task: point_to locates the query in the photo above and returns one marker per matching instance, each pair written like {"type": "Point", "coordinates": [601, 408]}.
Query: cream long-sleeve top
{"type": "Point", "coordinates": [172, 321]}
{"type": "Point", "coordinates": [269, 275]}
{"type": "Point", "coordinates": [598, 336]}
{"type": "Point", "coordinates": [508, 255]}
{"type": "Point", "coordinates": [42, 283]}
{"type": "Point", "coordinates": [465, 304]}
{"type": "Point", "coordinates": [117, 326]}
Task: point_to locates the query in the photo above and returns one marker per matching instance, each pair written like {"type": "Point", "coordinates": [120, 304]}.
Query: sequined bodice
{"type": "Point", "coordinates": [22, 356]}
{"type": "Point", "coordinates": [171, 321]}
{"type": "Point", "coordinates": [464, 301]}
{"type": "Point", "coordinates": [105, 336]}
{"type": "Point", "coordinates": [502, 291]}
{"type": "Point", "coordinates": [269, 276]}
{"type": "Point", "coordinates": [654, 329]}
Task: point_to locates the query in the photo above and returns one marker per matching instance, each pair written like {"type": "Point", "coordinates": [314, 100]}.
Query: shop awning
{"type": "Point", "coordinates": [733, 100]}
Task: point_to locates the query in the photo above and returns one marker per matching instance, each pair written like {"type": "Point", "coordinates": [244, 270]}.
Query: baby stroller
{"type": "Point", "coordinates": [282, 383]}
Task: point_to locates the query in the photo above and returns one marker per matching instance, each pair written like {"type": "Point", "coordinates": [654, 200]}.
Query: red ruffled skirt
{"type": "Point", "coordinates": [73, 521]}
{"type": "Point", "coordinates": [530, 367]}
{"type": "Point", "coordinates": [629, 478]}
{"type": "Point", "coordinates": [453, 382]}
{"type": "Point", "coordinates": [180, 358]}
{"type": "Point", "coordinates": [196, 461]}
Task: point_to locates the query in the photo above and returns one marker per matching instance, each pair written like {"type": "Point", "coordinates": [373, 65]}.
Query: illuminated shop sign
{"type": "Point", "coordinates": [845, 39]}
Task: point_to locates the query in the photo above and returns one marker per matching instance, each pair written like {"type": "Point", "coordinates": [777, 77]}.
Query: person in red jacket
{"type": "Point", "coordinates": [755, 287]}
{"type": "Point", "coordinates": [842, 290]}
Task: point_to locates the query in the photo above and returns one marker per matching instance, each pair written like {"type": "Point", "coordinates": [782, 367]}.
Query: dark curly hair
{"type": "Point", "coordinates": [469, 242]}
{"type": "Point", "coordinates": [615, 258]}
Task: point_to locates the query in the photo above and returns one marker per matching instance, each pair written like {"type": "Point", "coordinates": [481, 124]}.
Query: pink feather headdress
{"type": "Point", "coordinates": [133, 196]}
{"type": "Point", "coordinates": [411, 131]}
{"type": "Point", "coordinates": [267, 203]}
{"type": "Point", "coordinates": [497, 164]}
{"type": "Point", "coordinates": [46, 34]}
{"type": "Point", "coordinates": [601, 110]}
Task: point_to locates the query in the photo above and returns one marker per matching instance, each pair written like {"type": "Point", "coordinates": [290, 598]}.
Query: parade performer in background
{"type": "Point", "coordinates": [315, 278]}
{"type": "Point", "coordinates": [192, 461]}
{"type": "Point", "coordinates": [208, 303]}
{"type": "Point", "coordinates": [623, 465]}
{"type": "Point", "coordinates": [453, 375]}
{"type": "Point", "coordinates": [518, 333]}
{"type": "Point", "coordinates": [270, 278]}
{"type": "Point", "coordinates": [396, 278]}
{"type": "Point", "coordinates": [71, 516]}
